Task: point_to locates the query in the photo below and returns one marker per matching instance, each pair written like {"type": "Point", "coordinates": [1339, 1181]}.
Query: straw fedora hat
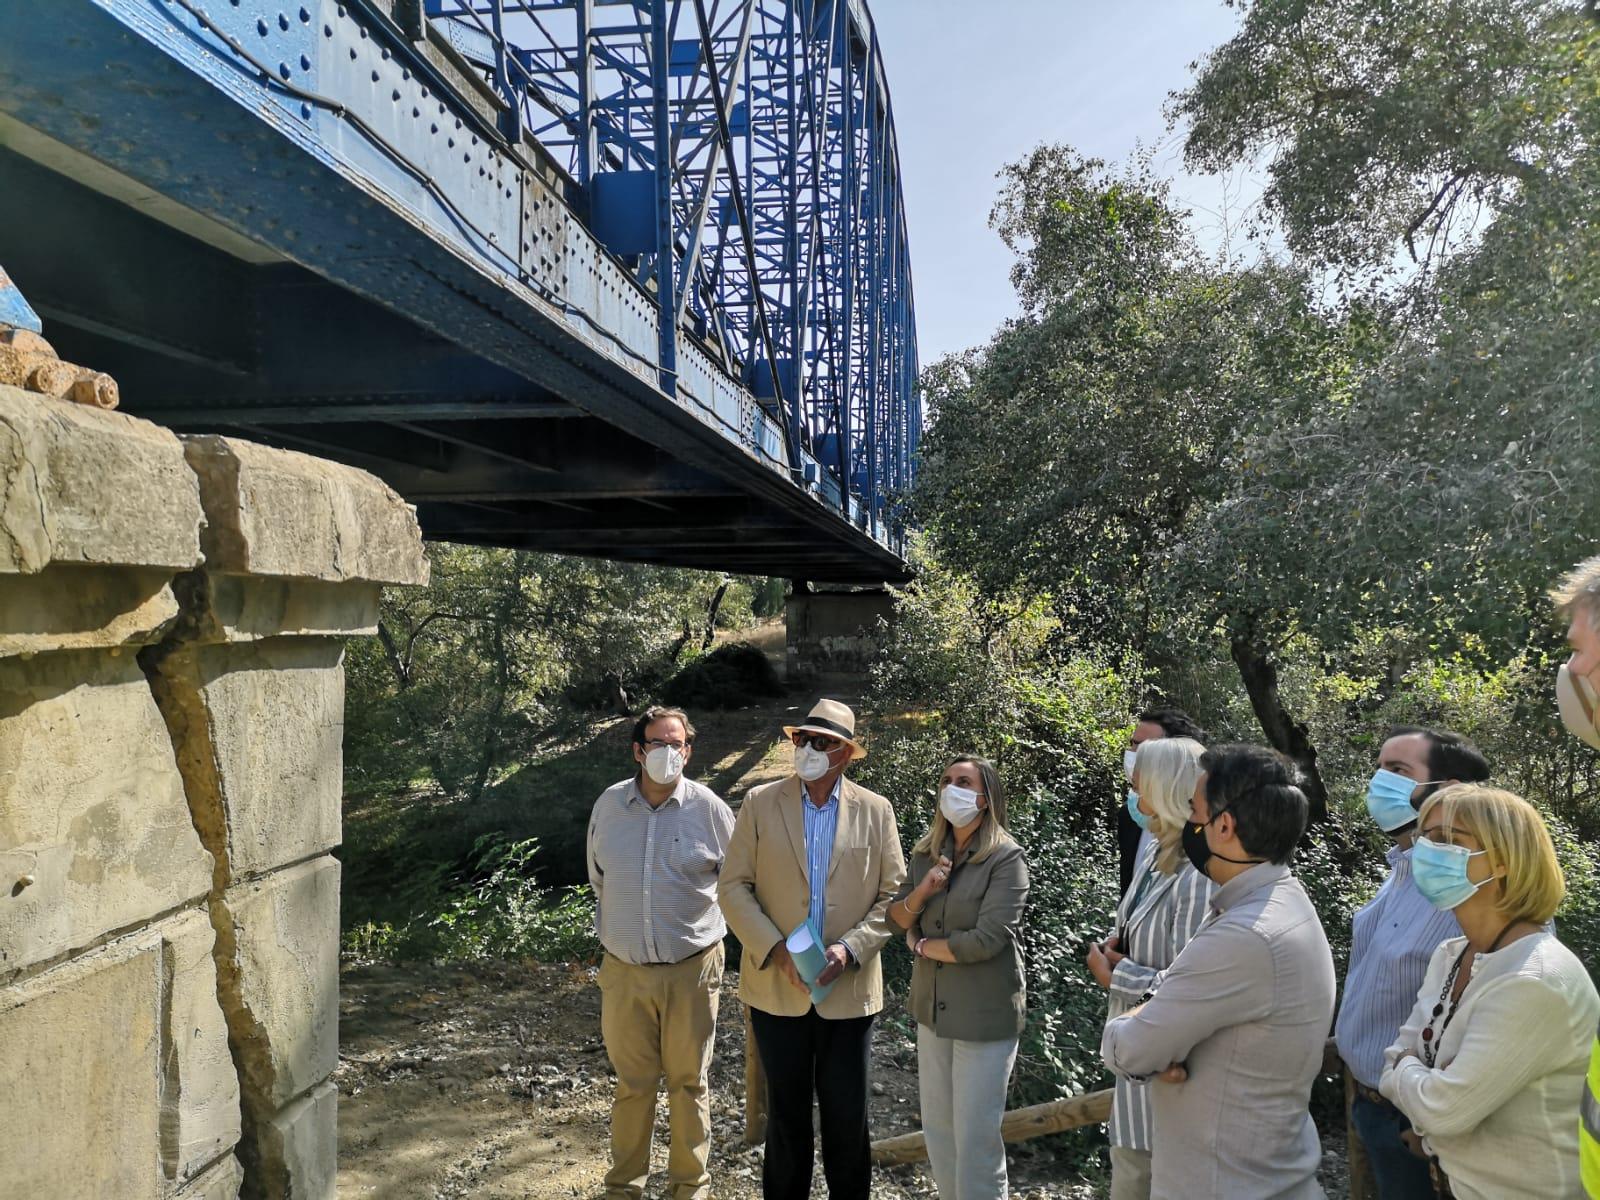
{"type": "Point", "coordinates": [834, 719]}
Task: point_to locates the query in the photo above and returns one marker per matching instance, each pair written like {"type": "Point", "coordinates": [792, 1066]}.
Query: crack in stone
{"type": "Point", "coordinates": [172, 670]}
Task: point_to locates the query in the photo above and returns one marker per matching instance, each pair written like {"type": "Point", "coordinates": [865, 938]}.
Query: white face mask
{"type": "Point", "coordinates": [810, 763]}
{"type": "Point", "coordinates": [664, 764]}
{"type": "Point", "coordinates": [1128, 757]}
{"type": "Point", "coordinates": [1580, 713]}
{"type": "Point", "coordinates": [959, 805]}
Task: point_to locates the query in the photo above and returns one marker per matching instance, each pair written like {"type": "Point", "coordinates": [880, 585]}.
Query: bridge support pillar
{"type": "Point", "coordinates": [172, 618]}
{"type": "Point", "coordinates": [828, 632]}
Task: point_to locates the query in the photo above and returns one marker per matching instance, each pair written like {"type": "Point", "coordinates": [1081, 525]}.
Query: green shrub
{"type": "Point", "coordinates": [498, 913]}
{"type": "Point", "coordinates": [734, 675]}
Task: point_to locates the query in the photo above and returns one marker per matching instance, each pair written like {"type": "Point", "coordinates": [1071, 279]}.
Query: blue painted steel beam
{"type": "Point", "coordinates": [795, 274]}
{"type": "Point", "coordinates": [321, 133]}
{"type": "Point", "coordinates": [14, 309]}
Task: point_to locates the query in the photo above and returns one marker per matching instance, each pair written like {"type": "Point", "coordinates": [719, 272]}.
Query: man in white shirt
{"type": "Point", "coordinates": [656, 845]}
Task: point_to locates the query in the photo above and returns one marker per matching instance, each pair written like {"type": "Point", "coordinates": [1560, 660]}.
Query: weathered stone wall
{"type": "Point", "coordinates": [171, 717]}
{"type": "Point", "coordinates": [833, 631]}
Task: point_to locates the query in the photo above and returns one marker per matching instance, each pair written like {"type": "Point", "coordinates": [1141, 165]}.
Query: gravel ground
{"type": "Point", "coordinates": [491, 1081]}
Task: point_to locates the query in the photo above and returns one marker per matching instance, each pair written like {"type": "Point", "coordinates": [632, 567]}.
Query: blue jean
{"type": "Point", "coordinates": [1400, 1174]}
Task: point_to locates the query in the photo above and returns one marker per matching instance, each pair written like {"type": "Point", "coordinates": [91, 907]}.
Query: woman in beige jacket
{"type": "Point", "coordinates": [962, 913]}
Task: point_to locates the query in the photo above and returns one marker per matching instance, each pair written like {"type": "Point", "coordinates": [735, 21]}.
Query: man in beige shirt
{"type": "Point", "coordinates": [814, 847]}
{"type": "Point", "coordinates": [656, 844]}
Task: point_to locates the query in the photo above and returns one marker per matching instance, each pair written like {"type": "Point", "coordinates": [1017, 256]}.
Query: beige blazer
{"type": "Point", "coordinates": [765, 894]}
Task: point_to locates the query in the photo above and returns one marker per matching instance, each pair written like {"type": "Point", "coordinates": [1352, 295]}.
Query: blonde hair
{"type": "Point", "coordinates": [991, 834]}
{"type": "Point", "coordinates": [1167, 770]}
{"type": "Point", "coordinates": [1579, 591]}
{"type": "Point", "coordinates": [1518, 845]}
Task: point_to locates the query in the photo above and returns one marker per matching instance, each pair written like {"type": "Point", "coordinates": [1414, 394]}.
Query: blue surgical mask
{"type": "Point", "coordinates": [1139, 819]}
{"type": "Point", "coordinates": [1441, 873]}
{"type": "Point", "coordinates": [1389, 799]}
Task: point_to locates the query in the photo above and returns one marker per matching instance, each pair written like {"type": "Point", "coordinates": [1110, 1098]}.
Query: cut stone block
{"type": "Point", "coordinates": [72, 607]}
{"type": "Point", "coordinates": [280, 964]}
{"type": "Point", "coordinates": [94, 824]}
{"type": "Point", "coordinates": [79, 1070]}
{"type": "Point", "coordinates": [220, 1182]}
{"type": "Point", "coordinates": [200, 1091]}
{"type": "Point", "coordinates": [244, 609]}
{"type": "Point", "coordinates": [259, 729]}
{"type": "Point", "coordinates": [300, 1150]}
{"type": "Point", "coordinates": [278, 513]}
{"type": "Point", "coordinates": [82, 485]}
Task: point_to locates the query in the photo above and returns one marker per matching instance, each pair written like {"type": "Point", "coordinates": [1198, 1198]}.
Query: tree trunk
{"type": "Point", "coordinates": [711, 615]}
{"type": "Point", "coordinates": [619, 695]}
{"type": "Point", "coordinates": [1018, 1125]}
{"type": "Point", "coordinates": [491, 733]}
{"type": "Point", "coordinates": [677, 648]}
{"type": "Point", "coordinates": [1284, 734]}
{"type": "Point", "coordinates": [401, 666]}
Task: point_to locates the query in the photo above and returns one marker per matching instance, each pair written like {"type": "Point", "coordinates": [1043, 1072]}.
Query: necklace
{"type": "Point", "coordinates": [1430, 1045]}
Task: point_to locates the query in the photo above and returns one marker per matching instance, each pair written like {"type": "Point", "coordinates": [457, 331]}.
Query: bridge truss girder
{"type": "Point", "coordinates": [740, 156]}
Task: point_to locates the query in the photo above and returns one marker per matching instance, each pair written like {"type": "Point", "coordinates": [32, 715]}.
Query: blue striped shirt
{"type": "Point", "coordinates": [821, 824]}
{"type": "Point", "coordinates": [1392, 940]}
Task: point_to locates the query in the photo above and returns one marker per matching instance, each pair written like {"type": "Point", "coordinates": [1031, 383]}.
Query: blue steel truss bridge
{"type": "Point", "coordinates": [625, 278]}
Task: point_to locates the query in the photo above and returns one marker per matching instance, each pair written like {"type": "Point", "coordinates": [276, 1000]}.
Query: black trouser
{"type": "Point", "coordinates": [799, 1054]}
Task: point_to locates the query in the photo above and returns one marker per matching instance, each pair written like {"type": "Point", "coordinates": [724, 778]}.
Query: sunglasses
{"type": "Point", "coordinates": [817, 741]}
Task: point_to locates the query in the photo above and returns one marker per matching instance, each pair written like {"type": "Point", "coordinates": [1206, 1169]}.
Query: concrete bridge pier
{"type": "Point", "coordinates": [833, 629]}
{"type": "Point", "coordinates": [172, 623]}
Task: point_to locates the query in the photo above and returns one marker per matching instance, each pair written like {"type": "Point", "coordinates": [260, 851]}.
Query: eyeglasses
{"type": "Point", "coordinates": [817, 741]}
{"type": "Point", "coordinates": [658, 744]}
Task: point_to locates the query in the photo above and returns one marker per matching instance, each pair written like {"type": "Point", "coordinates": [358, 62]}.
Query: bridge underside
{"type": "Point", "coordinates": [234, 282]}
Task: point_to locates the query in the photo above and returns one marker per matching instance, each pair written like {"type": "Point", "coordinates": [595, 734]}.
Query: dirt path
{"type": "Point", "coordinates": [491, 1082]}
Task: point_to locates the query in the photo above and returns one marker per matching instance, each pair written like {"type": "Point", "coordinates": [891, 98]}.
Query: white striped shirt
{"type": "Point", "coordinates": [1156, 919]}
{"type": "Point", "coordinates": [654, 871]}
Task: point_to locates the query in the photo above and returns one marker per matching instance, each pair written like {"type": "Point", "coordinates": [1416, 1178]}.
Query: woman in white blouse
{"type": "Point", "coordinates": [1490, 1065]}
{"type": "Point", "coordinates": [1165, 903]}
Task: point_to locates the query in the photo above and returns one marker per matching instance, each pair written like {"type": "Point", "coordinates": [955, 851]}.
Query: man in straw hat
{"type": "Point", "coordinates": [814, 850]}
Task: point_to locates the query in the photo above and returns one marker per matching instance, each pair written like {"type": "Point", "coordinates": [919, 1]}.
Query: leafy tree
{"type": "Point", "coordinates": [1078, 453]}
{"type": "Point", "coordinates": [1390, 123]}
{"type": "Point", "coordinates": [465, 672]}
{"type": "Point", "coordinates": [1458, 476]}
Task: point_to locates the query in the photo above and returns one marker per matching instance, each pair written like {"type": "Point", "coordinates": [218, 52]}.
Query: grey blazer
{"type": "Point", "coordinates": [979, 997]}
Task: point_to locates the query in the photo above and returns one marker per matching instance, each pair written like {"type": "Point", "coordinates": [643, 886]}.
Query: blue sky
{"type": "Point", "coordinates": [978, 85]}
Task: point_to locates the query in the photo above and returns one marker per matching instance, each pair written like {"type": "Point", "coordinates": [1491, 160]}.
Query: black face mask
{"type": "Point", "coordinates": [1200, 854]}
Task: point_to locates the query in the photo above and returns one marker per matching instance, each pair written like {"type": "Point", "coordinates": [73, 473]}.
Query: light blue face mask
{"type": "Point", "coordinates": [1389, 799]}
{"type": "Point", "coordinates": [1441, 873]}
{"type": "Point", "coordinates": [1139, 819]}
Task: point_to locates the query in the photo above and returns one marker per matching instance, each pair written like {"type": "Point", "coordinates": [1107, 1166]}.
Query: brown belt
{"type": "Point", "coordinates": [1372, 1094]}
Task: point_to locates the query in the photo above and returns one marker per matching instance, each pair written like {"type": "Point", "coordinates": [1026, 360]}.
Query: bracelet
{"type": "Point", "coordinates": [915, 912]}
{"type": "Point", "coordinates": [921, 942]}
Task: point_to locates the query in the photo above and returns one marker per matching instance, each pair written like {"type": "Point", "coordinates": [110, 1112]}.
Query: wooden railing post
{"type": "Point", "coordinates": [755, 1087]}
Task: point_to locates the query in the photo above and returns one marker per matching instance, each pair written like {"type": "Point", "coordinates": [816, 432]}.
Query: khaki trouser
{"type": "Point", "coordinates": [1130, 1174]}
{"type": "Point", "coordinates": [659, 1021]}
